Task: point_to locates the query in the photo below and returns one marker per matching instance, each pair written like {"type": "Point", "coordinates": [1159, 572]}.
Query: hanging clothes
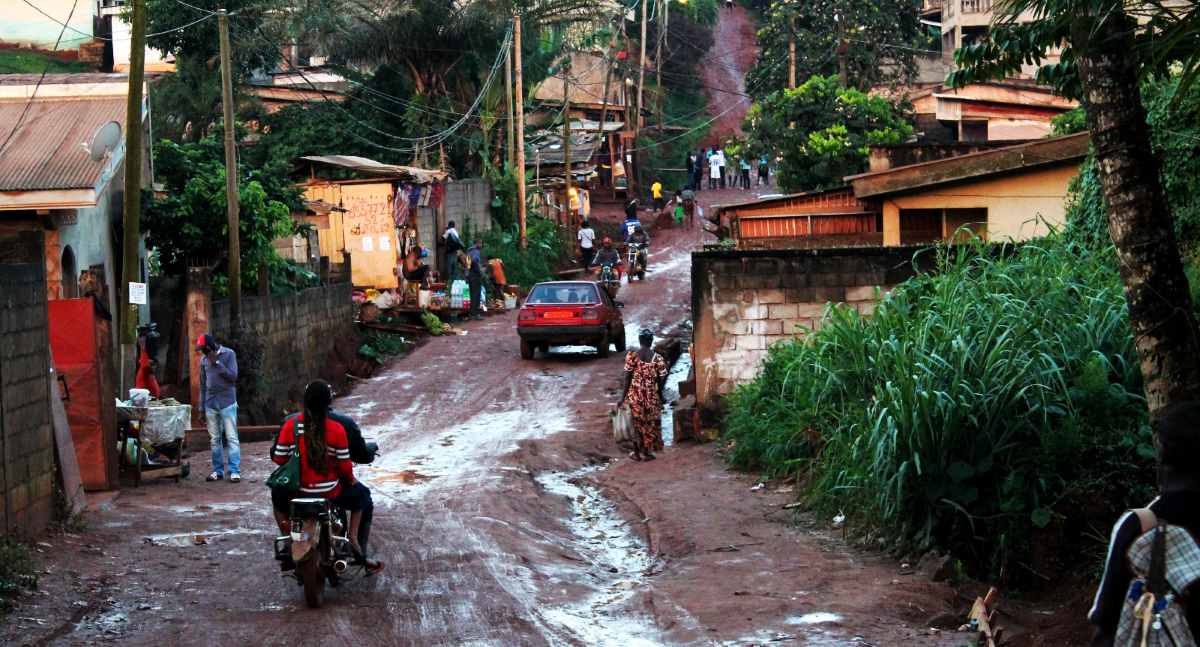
{"type": "Point", "coordinates": [439, 194]}
{"type": "Point", "coordinates": [400, 205]}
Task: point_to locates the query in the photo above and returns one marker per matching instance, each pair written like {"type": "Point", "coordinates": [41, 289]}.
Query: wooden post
{"type": "Point", "coordinates": [197, 311]}
{"type": "Point", "coordinates": [664, 9]}
{"type": "Point", "coordinates": [567, 219]}
{"type": "Point", "coordinates": [131, 237]}
{"type": "Point", "coordinates": [508, 93]}
{"type": "Point", "coordinates": [231, 187]}
{"type": "Point", "coordinates": [641, 69]}
{"type": "Point", "coordinates": [792, 53]}
{"type": "Point", "coordinates": [520, 121]}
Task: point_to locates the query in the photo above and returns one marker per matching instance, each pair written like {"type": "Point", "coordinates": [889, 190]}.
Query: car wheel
{"type": "Point", "coordinates": [602, 347]}
{"type": "Point", "coordinates": [526, 350]}
{"type": "Point", "coordinates": [620, 343]}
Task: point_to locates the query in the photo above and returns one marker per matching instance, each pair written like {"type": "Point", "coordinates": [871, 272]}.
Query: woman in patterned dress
{"type": "Point", "coordinates": [645, 377]}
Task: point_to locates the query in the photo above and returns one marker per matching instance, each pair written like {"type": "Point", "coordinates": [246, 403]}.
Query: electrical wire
{"type": "Point", "coordinates": [66, 25]}
{"type": "Point", "coordinates": [46, 68]}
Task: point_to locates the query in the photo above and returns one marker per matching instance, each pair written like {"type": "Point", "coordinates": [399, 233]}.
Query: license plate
{"type": "Point", "coordinates": [558, 314]}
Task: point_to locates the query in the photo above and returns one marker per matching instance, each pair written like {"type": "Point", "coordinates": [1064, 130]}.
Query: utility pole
{"type": "Point", "coordinates": [664, 9]}
{"type": "Point", "coordinates": [520, 121]}
{"type": "Point", "coordinates": [566, 72]}
{"type": "Point", "coordinates": [231, 187]}
{"type": "Point", "coordinates": [508, 71]}
{"type": "Point", "coordinates": [842, 48]}
{"type": "Point", "coordinates": [131, 237]}
{"type": "Point", "coordinates": [792, 53]}
{"type": "Point", "coordinates": [641, 68]}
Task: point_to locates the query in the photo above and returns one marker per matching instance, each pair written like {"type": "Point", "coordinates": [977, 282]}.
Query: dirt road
{"type": "Point", "coordinates": [505, 518]}
{"type": "Point", "coordinates": [724, 72]}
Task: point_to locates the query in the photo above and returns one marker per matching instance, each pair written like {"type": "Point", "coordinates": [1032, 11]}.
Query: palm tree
{"type": "Point", "coordinates": [1107, 49]}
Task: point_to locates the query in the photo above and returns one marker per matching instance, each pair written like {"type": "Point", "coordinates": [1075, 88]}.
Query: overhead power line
{"type": "Point", "coordinates": [66, 25]}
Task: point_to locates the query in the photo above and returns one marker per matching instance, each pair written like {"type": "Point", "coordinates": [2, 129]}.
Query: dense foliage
{"type": "Point", "coordinates": [1175, 134]}
{"type": "Point", "coordinates": [822, 131]}
{"type": "Point", "coordinates": [881, 38]}
{"type": "Point", "coordinates": [187, 221]}
{"type": "Point", "coordinates": [986, 407]}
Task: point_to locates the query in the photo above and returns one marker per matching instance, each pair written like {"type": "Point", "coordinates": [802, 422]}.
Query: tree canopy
{"type": "Point", "coordinates": [822, 131]}
{"type": "Point", "coordinates": [881, 38]}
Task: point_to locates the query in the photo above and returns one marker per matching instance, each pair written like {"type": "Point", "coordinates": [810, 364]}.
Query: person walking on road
{"type": "Point", "coordinates": [452, 244]}
{"type": "Point", "coordinates": [720, 155]}
{"type": "Point", "coordinates": [218, 401]}
{"type": "Point", "coordinates": [587, 243]}
{"type": "Point", "coordinates": [475, 279]}
{"type": "Point", "coordinates": [657, 195]}
{"type": "Point", "coordinates": [645, 377]}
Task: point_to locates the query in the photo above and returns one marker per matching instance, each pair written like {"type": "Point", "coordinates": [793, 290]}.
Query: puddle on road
{"type": "Point", "coordinates": [198, 538]}
{"type": "Point", "coordinates": [818, 618]}
{"type": "Point", "coordinates": [618, 561]}
{"type": "Point", "coordinates": [678, 374]}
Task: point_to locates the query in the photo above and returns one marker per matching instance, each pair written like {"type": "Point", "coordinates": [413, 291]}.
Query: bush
{"type": "Point", "coordinates": [17, 572]}
{"type": "Point", "coordinates": [537, 263]}
{"type": "Point", "coordinates": [982, 406]}
{"type": "Point", "coordinates": [1174, 132]}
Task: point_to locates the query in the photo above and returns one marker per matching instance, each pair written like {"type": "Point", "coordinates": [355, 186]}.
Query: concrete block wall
{"type": "Point", "coordinates": [298, 333]}
{"type": "Point", "coordinates": [745, 301]}
{"type": "Point", "coordinates": [27, 469]}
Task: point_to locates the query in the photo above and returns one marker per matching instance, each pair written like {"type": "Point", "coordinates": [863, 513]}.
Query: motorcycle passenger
{"type": "Point", "coordinates": [325, 468]}
{"type": "Point", "coordinates": [640, 237]}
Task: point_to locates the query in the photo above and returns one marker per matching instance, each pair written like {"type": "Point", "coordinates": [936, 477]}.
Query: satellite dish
{"type": "Point", "coordinates": [104, 141]}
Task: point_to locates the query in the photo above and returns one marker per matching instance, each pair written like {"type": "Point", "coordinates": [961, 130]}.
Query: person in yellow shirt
{"type": "Point", "coordinates": [656, 193]}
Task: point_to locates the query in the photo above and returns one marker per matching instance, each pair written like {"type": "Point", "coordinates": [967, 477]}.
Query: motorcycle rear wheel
{"type": "Point", "coordinates": [313, 579]}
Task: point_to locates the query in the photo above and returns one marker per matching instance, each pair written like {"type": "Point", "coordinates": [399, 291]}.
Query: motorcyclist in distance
{"type": "Point", "coordinates": [608, 256]}
{"type": "Point", "coordinates": [640, 237]}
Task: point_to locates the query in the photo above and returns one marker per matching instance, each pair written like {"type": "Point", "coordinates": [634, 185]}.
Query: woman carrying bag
{"type": "Point", "coordinates": [645, 377]}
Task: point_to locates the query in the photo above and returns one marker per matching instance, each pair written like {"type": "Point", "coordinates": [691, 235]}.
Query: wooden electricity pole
{"type": "Point", "coordinates": [792, 53]}
{"type": "Point", "coordinates": [131, 269]}
{"type": "Point", "coordinates": [641, 68]}
{"type": "Point", "coordinates": [231, 187]}
{"type": "Point", "coordinates": [520, 122]}
{"type": "Point", "coordinates": [664, 9]}
{"type": "Point", "coordinates": [508, 80]}
{"type": "Point", "coordinates": [566, 72]}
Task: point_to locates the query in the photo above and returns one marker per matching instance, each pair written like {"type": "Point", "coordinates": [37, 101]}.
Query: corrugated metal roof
{"type": "Point", "coordinates": [372, 167]}
{"type": "Point", "coordinates": [50, 150]}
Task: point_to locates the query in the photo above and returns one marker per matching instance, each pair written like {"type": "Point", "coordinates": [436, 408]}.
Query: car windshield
{"type": "Point", "coordinates": [562, 294]}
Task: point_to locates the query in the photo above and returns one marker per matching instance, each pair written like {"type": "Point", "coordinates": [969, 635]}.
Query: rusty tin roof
{"type": "Point", "coordinates": [49, 151]}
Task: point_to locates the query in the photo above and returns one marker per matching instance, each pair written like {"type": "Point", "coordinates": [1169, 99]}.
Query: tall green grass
{"type": "Point", "coordinates": [984, 408]}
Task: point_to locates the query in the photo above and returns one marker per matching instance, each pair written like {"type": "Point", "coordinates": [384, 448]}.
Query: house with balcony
{"type": "Point", "coordinates": [966, 21]}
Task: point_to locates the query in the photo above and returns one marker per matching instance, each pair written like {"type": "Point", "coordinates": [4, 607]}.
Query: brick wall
{"type": "Point", "coordinates": [743, 301]}
{"type": "Point", "coordinates": [298, 333]}
{"type": "Point", "coordinates": [27, 471]}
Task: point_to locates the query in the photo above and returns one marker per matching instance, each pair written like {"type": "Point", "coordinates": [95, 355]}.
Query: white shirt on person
{"type": "Point", "coordinates": [587, 237]}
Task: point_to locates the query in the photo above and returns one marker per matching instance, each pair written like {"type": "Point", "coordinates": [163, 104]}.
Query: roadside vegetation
{"type": "Point", "coordinates": [17, 572]}
{"type": "Point", "coordinates": [23, 61]}
{"type": "Point", "coordinates": [992, 408]}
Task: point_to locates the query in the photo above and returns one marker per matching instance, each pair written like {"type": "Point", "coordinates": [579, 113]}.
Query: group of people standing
{"type": "Point", "coordinates": [714, 163]}
{"type": "Point", "coordinates": [469, 263]}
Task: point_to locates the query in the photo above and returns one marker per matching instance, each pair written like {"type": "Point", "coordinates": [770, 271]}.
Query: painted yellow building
{"type": "Point", "coordinates": [1004, 194]}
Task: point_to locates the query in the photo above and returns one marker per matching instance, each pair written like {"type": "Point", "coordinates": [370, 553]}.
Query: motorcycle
{"type": "Point", "coordinates": [610, 279]}
{"type": "Point", "coordinates": [636, 253]}
{"type": "Point", "coordinates": [318, 544]}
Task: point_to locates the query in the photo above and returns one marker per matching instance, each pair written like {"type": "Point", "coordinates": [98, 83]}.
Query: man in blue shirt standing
{"type": "Point", "coordinates": [218, 401]}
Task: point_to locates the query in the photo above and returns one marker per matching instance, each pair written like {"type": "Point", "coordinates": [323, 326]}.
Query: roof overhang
{"type": "Point", "coordinates": [973, 166]}
{"type": "Point", "coordinates": [47, 199]}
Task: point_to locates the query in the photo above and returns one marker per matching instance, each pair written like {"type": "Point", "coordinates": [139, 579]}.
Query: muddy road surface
{"type": "Point", "coordinates": [505, 516]}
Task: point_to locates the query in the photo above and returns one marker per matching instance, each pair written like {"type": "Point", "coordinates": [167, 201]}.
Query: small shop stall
{"type": "Point", "coordinates": [151, 437]}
